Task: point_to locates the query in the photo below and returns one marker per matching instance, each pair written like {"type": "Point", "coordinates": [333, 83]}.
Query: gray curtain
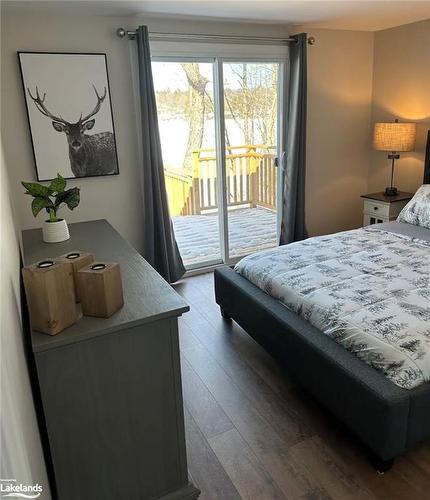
{"type": "Point", "coordinates": [293, 162]}
{"type": "Point", "coordinates": [159, 246]}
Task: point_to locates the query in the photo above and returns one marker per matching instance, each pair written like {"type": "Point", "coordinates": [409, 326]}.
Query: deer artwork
{"type": "Point", "coordinates": [89, 154]}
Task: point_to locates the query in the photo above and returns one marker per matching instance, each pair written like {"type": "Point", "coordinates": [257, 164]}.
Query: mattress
{"type": "Point", "coordinates": [368, 289]}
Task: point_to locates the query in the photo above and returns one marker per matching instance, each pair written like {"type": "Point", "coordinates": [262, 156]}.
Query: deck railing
{"type": "Point", "coordinates": [250, 181]}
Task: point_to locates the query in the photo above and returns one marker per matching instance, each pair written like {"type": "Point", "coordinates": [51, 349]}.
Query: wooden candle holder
{"type": "Point", "coordinates": [76, 260]}
{"type": "Point", "coordinates": [100, 289]}
{"type": "Point", "coordinates": [50, 295]}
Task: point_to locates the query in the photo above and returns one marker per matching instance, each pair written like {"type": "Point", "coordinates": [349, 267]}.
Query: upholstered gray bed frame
{"type": "Point", "coordinates": [389, 420]}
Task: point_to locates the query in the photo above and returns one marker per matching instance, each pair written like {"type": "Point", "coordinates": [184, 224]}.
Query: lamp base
{"type": "Point", "coordinates": [391, 191]}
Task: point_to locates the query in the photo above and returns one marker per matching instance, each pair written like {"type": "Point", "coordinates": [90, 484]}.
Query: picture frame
{"type": "Point", "coordinates": [69, 111]}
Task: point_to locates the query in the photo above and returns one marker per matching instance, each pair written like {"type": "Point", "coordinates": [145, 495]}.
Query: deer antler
{"type": "Point", "coordinates": [98, 105]}
{"type": "Point", "coordinates": [39, 102]}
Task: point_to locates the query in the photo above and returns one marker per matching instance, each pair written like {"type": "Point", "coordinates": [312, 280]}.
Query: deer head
{"type": "Point", "coordinates": [74, 131]}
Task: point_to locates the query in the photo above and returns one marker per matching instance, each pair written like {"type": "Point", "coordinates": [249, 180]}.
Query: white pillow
{"type": "Point", "coordinates": [417, 211]}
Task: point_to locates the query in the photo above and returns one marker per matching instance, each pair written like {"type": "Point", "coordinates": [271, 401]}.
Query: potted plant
{"type": "Point", "coordinates": [51, 198]}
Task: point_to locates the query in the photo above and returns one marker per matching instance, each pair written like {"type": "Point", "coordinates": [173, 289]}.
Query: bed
{"type": "Point", "coordinates": [388, 412]}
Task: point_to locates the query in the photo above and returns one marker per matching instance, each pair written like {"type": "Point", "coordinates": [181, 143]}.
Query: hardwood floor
{"type": "Point", "coordinates": [253, 433]}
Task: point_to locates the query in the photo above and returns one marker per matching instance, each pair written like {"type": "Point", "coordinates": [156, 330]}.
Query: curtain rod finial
{"type": "Point", "coordinates": [121, 32]}
{"type": "Point", "coordinates": [311, 40]}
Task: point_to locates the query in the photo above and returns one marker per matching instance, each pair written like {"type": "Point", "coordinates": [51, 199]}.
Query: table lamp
{"type": "Point", "coordinates": [394, 137]}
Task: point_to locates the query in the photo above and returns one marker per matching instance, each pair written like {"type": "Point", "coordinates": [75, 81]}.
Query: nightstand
{"type": "Point", "coordinates": [380, 208]}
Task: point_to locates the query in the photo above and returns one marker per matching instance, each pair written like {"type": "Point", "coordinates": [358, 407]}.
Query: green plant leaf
{"type": "Point", "coordinates": [71, 198]}
{"type": "Point", "coordinates": [39, 203]}
{"type": "Point", "coordinates": [36, 189]}
{"type": "Point", "coordinates": [58, 184]}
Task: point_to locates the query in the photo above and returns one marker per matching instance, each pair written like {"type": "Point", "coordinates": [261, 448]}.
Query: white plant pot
{"type": "Point", "coordinates": [54, 232]}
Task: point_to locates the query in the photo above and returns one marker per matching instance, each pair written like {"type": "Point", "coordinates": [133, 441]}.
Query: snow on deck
{"type": "Point", "coordinates": [250, 230]}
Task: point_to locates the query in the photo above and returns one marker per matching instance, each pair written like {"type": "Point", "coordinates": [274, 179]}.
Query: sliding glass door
{"type": "Point", "coordinates": [218, 125]}
{"type": "Point", "coordinates": [250, 124]}
{"type": "Point", "coordinates": [185, 103]}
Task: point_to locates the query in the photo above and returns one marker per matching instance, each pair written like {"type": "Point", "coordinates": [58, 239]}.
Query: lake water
{"type": "Point", "coordinates": [174, 138]}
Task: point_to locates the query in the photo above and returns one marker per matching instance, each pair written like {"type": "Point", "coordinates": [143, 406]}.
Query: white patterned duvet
{"type": "Point", "coordinates": [367, 289]}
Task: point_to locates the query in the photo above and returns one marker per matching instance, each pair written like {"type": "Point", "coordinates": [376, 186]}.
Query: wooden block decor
{"type": "Point", "coordinates": [100, 289]}
{"type": "Point", "coordinates": [50, 295]}
{"type": "Point", "coordinates": [76, 260]}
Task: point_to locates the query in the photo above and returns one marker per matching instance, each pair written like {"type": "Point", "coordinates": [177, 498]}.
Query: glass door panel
{"type": "Point", "coordinates": [251, 122]}
{"type": "Point", "coordinates": [185, 102]}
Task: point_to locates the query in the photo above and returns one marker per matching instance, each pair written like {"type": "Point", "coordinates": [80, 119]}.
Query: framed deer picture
{"type": "Point", "coordinates": [70, 114]}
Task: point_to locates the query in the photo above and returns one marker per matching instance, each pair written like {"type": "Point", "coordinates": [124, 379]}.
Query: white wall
{"type": "Point", "coordinates": [402, 90]}
{"type": "Point", "coordinates": [340, 67]}
{"type": "Point", "coordinates": [21, 453]}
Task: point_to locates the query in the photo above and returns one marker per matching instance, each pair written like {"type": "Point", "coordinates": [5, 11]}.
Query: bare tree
{"type": "Point", "coordinates": [239, 104]}
{"type": "Point", "coordinates": [271, 139]}
{"type": "Point", "coordinates": [253, 103]}
{"type": "Point", "coordinates": [197, 111]}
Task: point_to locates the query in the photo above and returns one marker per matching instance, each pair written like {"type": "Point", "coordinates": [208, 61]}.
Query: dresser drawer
{"type": "Point", "coordinates": [377, 208]}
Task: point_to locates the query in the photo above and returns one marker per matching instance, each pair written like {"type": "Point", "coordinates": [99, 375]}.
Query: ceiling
{"type": "Point", "coordinates": [338, 14]}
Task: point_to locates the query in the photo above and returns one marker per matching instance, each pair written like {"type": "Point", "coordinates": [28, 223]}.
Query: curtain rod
{"type": "Point", "coordinates": [122, 33]}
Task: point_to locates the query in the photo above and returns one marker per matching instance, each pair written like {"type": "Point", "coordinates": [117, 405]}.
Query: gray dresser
{"type": "Point", "coordinates": [111, 388]}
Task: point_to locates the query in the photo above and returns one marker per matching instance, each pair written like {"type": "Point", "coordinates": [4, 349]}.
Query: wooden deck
{"type": "Point", "coordinates": [250, 230]}
{"type": "Point", "coordinates": [251, 175]}
{"type": "Point", "coordinates": [253, 433]}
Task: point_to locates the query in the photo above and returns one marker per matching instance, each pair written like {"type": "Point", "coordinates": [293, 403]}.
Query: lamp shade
{"type": "Point", "coordinates": [394, 136]}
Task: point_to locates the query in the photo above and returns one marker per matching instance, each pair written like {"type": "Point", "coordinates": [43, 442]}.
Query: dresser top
{"type": "Point", "coordinates": [400, 196]}
{"type": "Point", "coordinates": [147, 296]}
